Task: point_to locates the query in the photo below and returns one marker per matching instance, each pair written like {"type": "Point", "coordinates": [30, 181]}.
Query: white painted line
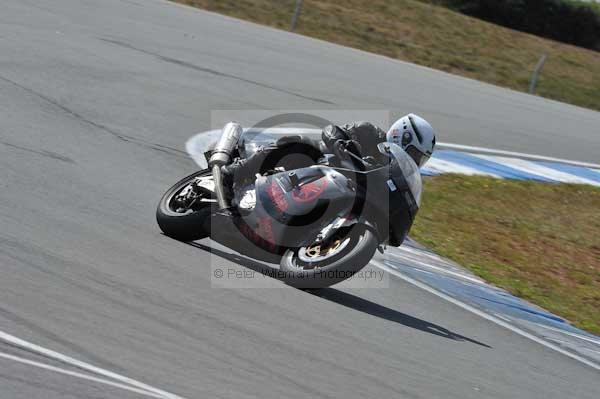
{"type": "Point", "coordinates": [502, 317]}
{"type": "Point", "coordinates": [530, 167]}
{"type": "Point", "coordinates": [15, 341]}
{"type": "Point", "coordinates": [423, 271]}
{"type": "Point", "coordinates": [437, 165]}
{"type": "Point", "coordinates": [492, 151]}
{"type": "Point", "coordinates": [572, 334]}
{"type": "Point", "coordinates": [486, 316]}
{"type": "Point", "coordinates": [198, 144]}
{"type": "Point", "coordinates": [441, 270]}
{"type": "Point", "coordinates": [590, 350]}
{"type": "Point", "coordinates": [418, 253]}
{"type": "Point", "coordinates": [78, 375]}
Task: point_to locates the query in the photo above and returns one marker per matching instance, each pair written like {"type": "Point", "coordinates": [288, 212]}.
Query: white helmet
{"type": "Point", "coordinates": [415, 135]}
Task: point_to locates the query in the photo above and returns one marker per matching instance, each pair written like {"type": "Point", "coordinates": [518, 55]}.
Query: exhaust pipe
{"type": "Point", "coordinates": [221, 155]}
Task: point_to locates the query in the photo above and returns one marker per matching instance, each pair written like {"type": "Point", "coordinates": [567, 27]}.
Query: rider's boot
{"type": "Point", "coordinates": [243, 171]}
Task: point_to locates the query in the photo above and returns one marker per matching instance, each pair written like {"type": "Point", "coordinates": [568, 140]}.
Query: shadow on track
{"type": "Point", "coordinates": [241, 260]}
{"type": "Point", "coordinates": [374, 309]}
{"type": "Point", "coordinates": [349, 300]}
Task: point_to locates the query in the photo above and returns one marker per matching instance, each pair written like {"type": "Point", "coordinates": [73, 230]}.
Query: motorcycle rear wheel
{"type": "Point", "coordinates": [329, 270]}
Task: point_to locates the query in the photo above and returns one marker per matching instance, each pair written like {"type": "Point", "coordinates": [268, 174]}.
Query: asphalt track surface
{"type": "Point", "coordinates": [97, 99]}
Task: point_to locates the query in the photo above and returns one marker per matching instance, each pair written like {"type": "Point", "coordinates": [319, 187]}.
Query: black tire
{"type": "Point", "coordinates": [357, 254]}
{"type": "Point", "coordinates": [190, 226]}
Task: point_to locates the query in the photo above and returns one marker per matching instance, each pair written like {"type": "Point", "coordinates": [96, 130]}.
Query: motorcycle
{"type": "Point", "coordinates": [320, 214]}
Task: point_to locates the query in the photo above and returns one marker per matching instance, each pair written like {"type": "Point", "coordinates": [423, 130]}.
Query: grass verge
{"type": "Point", "coordinates": [538, 241]}
{"type": "Point", "coordinates": [436, 37]}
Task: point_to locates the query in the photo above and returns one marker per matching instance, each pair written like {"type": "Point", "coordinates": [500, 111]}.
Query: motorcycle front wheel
{"type": "Point", "coordinates": [321, 265]}
{"type": "Point", "coordinates": [185, 218]}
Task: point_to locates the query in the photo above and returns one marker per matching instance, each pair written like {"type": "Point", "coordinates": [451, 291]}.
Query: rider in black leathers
{"type": "Point", "coordinates": [360, 138]}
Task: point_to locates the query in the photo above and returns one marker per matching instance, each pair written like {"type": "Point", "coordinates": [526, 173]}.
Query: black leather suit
{"type": "Point", "coordinates": [360, 138]}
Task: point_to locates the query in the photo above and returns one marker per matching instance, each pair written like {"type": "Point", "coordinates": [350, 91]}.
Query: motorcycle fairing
{"type": "Point", "coordinates": [388, 204]}
{"type": "Point", "coordinates": [292, 208]}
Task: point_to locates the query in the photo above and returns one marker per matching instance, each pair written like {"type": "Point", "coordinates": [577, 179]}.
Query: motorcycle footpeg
{"type": "Point", "coordinates": [230, 211]}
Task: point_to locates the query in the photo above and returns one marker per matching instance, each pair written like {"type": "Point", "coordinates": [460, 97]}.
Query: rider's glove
{"type": "Point", "coordinates": [353, 146]}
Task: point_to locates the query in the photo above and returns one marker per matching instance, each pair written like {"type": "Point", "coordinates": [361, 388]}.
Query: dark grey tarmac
{"type": "Point", "coordinates": [97, 99]}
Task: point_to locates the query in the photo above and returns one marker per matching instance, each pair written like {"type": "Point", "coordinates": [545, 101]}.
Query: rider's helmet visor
{"type": "Point", "coordinates": [419, 157]}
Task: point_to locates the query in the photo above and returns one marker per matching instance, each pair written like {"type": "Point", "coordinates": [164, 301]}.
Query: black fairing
{"type": "Point", "coordinates": [293, 207]}
{"type": "Point", "coordinates": [401, 215]}
{"type": "Point", "coordinates": [402, 206]}
{"type": "Point", "coordinates": [390, 208]}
